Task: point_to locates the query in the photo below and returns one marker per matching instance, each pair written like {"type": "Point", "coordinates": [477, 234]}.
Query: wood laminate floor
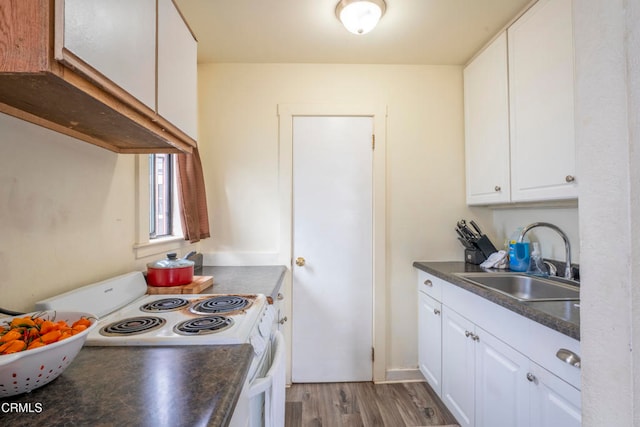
{"type": "Point", "coordinates": [365, 404]}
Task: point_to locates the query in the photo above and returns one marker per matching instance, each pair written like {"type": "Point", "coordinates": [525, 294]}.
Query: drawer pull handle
{"type": "Point", "coordinates": [569, 357]}
{"type": "Point", "coordinates": [428, 283]}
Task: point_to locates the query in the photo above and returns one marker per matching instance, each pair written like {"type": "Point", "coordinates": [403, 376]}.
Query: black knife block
{"type": "Point", "coordinates": [474, 256]}
{"type": "Point", "coordinates": [485, 245]}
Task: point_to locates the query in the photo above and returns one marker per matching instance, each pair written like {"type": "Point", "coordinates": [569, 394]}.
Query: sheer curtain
{"type": "Point", "coordinates": [193, 200]}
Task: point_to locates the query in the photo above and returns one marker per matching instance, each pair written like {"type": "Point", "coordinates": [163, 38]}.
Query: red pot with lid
{"type": "Point", "coordinates": [171, 271]}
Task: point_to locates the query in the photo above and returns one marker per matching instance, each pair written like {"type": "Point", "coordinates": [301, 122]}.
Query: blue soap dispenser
{"type": "Point", "coordinates": [519, 252]}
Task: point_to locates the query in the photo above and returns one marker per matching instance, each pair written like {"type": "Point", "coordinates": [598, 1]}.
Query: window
{"type": "Point", "coordinates": [163, 215]}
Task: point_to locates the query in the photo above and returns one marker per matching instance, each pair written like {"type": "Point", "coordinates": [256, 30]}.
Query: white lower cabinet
{"type": "Point", "coordinates": [430, 341]}
{"type": "Point", "coordinates": [553, 401]}
{"type": "Point", "coordinates": [502, 393]}
{"type": "Point", "coordinates": [458, 367]}
{"type": "Point", "coordinates": [491, 379]}
{"type": "Point", "coordinates": [484, 379]}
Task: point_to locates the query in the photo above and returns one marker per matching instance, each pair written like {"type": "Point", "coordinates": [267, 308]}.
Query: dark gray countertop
{"type": "Point", "coordinates": [139, 386]}
{"type": "Point", "coordinates": [562, 316]}
{"type": "Point", "coordinates": [152, 386]}
{"type": "Point", "coordinates": [265, 280]}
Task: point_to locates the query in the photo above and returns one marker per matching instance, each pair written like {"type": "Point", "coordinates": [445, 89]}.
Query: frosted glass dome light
{"type": "Point", "coordinates": [360, 16]}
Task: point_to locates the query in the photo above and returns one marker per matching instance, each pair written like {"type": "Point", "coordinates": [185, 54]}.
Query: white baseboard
{"type": "Point", "coordinates": [402, 376]}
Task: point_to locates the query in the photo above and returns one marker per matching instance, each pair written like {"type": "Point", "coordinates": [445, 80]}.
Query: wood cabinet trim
{"type": "Point", "coordinates": [68, 97]}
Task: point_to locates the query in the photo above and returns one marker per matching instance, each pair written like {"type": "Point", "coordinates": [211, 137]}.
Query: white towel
{"type": "Point", "coordinates": [496, 260]}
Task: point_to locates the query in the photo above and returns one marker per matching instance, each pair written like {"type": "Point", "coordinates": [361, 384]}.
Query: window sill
{"type": "Point", "coordinates": [160, 246]}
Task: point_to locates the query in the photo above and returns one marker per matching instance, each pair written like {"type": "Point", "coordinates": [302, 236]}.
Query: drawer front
{"type": "Point", "coordinates": [545, 344]}
{"type": "Point", "coordinates": [430, 285]}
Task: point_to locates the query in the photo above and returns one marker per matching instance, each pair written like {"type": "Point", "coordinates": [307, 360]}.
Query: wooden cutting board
{"type": "Point", "coordinates": [198, 285]}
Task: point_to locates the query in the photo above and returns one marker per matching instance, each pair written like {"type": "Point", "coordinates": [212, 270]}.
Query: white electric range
{"type": "Point", "coordinates": [128, 316]}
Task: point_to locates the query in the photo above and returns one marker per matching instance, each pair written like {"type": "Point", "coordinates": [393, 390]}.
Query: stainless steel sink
{"type": "Point", "coordinates": [525, 288]}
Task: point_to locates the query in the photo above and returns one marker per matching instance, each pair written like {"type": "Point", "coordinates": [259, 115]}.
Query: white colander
{"type": "Point", "coordinates": [27, 370]}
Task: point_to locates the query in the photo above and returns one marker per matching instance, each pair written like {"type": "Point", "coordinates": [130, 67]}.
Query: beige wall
{"type": "Point", "coordinates": [67, 213]}
{"type": "Point", "coordinates": [425, 165]}
{"type": "Point", "coordinates": [507, 220]}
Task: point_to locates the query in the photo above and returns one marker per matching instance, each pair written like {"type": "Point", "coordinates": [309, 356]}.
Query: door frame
{"type": "Point", "coordinates": [286, 113]}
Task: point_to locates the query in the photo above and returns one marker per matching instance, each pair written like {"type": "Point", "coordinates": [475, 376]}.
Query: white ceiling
{"type": "Point", "coordinates": [289, 31]}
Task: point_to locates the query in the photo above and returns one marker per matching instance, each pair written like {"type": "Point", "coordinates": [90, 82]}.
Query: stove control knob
{"type": "Point", "coordinates": [300, 261]}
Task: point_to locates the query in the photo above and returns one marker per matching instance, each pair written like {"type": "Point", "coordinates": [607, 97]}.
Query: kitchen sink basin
{"type": "Point", "coordinates": [525, 288]}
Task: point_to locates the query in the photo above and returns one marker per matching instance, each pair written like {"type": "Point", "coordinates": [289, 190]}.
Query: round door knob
{"type": "Point", "coordinates": [531, 377]}
{"type": "Point", "coordinates": [428, 283]}
{"type": "Point", "coordinates": [497, 188]}
{"type": "Point", "coordinates": [300, 261]}
{"type": "Point", "coordinates": [283, 320]}
{"type": "Point", "coordinates": [569, 178]}
{"type": "Point", "coordinates": [436, 311]}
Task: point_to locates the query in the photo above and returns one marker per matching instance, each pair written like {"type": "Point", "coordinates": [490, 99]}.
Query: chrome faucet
{"type": "Point", "coordinates": [568, 273]}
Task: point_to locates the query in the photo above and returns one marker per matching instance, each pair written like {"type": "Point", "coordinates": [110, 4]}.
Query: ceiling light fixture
{"type": "Point", "coordinates": [360, 16]}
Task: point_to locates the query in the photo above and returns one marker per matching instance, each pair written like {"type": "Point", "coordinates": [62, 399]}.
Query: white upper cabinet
{"type": "Point", "coordinates": [130, 73]}
{"type": "Point", "coordinates": [541, 79]}
{"type": "Point", "coordinates": [519, 111]}
{"type": "Point", "coordinates": [116, 38]}
{"type": "Point", "coordinates": [486, 115]}
{"type": "Point", "coordinates": [177, 70]}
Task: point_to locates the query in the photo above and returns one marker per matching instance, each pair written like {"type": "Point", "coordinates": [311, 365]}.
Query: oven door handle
{"type": "Point", "coordinates": [260, 385]}
{"type": "Point", "coordinates": [273, 385]}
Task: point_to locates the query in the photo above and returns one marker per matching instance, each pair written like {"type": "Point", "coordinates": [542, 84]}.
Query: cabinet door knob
{"type": "Point", "coordinates": [300, 261]}
{"type": "Point", "coordinates": [569, 357]}
{"type": "Point", "coordinates": [428, 283]}
{"type": "Point", "coordinates": [569, 178]}
{"type": "Point", "coordinates": [280, 297]}
{"type": "Point", "coordinates": [497, 188]}
{"type": "Point", "coordinates": [467, 334]}
{"type": "Point", "coordinates": [283, 320]}
{"type": "Point", "coordinates": [532, 378]}
{"type": "Point", "coordinates": [436, 311]}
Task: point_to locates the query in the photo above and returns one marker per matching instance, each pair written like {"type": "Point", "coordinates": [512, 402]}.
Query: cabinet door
{"type": "Point", "coordinates": [541, 103]}
{"type": "Point", "coordinates": [177, 70]}
{"type": "Point", "coordinates": [554, 402]}
{"type": "Point", "coordinates": [502, 389]}
{"type": "Point", "coordinates": [116, 39]}
{"type": "Point", "coordinates": [430, 341]}
{"type": "Point", "coordinates": [458, 366]}
{"type": "Point", "coordinates": [486, 119]}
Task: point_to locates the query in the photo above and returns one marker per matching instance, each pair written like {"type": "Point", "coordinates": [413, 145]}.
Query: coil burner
{"type": "Point", "coordinates": [203, 325]}
{"type": "Point", "coordinates": [132, 326]}
{"type": "Point", "coordinates": [164, 305]}
{"type": "Point", "coordinates": [220, 304]}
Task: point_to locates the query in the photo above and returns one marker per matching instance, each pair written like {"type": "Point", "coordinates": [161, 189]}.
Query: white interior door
{"type": "Point", "coordinates": [332, 292]}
